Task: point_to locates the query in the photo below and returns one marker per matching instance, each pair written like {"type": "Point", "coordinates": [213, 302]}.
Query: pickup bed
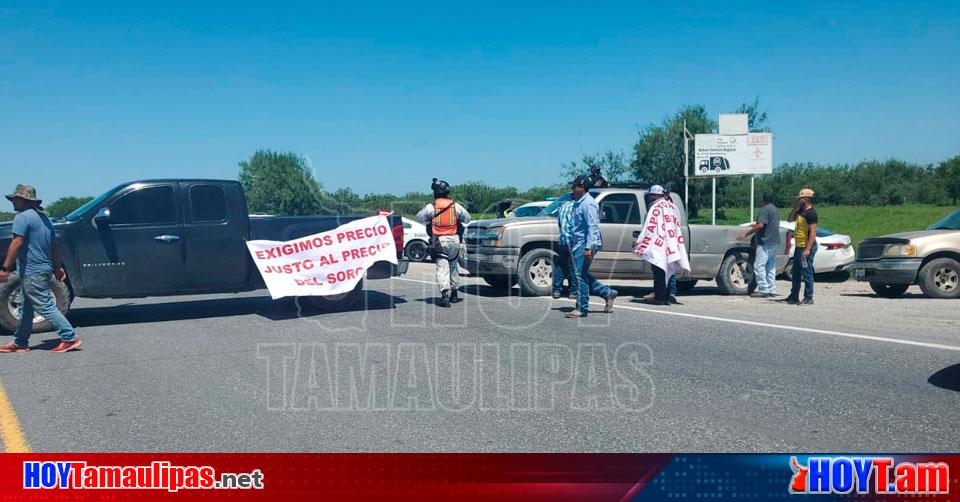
{"type": "Point", "coordinates": [520, 251]}
{"type": "Point", "coordinates": [172, 237]}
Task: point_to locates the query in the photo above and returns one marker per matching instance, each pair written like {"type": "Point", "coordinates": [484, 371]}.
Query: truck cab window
{"type": "Point", "coordinates": [621, 208]}
{"type": "Point", "coordinates": [208, 203]}
{"type": "Point", "coordinates": [147, 206]}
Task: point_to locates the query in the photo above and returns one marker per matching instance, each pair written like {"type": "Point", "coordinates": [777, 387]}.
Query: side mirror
{"type": "Point", "coordinates": [102, 218]}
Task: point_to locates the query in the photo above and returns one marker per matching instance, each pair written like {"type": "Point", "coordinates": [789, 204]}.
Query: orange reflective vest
{"type": "Point", "coordinates": [444, 217]}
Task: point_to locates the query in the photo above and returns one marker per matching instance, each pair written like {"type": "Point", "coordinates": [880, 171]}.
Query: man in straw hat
{"type": "Point", "coordinates": [33, 251]}
{"type": "Point", "coordinates": [805, 239]}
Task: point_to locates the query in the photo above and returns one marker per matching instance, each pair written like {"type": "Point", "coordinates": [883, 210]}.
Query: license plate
{"type": "Point", "coordinates": [859, 273]}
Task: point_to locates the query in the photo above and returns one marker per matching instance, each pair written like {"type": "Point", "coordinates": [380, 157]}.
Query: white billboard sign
{"type": "Point", "coordinates": [728, 155]}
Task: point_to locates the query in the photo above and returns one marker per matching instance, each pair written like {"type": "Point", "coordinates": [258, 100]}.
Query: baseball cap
{"type": "Point", "coordinates": [656, 190]}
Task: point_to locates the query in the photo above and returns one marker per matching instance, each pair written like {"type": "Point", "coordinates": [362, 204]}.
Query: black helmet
{"type": "Point", "coordinates": [440, 188]}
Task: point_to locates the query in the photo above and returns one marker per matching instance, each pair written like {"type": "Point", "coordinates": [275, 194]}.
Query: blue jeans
{"type": "Point", "coordinates": [802, 274]}
{"type": "Point", "coordinates": [586, 283]}
{"type": "Point", "coordinates": [672, 285]}
{"type": "Point", "coordinates": [765, 268]}
{"type": "Point", "coordinates": [561, 270]}
{"type": "Point", "coordinates": [37, 298]}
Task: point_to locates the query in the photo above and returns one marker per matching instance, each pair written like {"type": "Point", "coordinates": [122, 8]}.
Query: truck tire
{"type": "Point", "coordinates": [940, 278]}
{"type": "Point", "coordinates": [416, 251]}
{"type": "Point", "coordinates": [500, 282]}
{"type": "Point", "coordinates": [684, 287]}
{"type": "Point", "coordinates": [736, 274]}
{"type": "Point", "coordinates": [333, 303]}
{"type": "Point", "coordinates": [10, 299]}
{"type": "Point", "coordinates": [535, 272]}
{"type": "Point", "coordinates": [889, 290]}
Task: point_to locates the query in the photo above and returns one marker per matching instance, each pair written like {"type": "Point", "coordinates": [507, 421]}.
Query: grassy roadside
{"type": "Point", "coordinates": [859, 222]}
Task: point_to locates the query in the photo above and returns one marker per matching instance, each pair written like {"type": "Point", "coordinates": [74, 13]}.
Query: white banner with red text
{"type": "Point", "coordinates": [327, 263]}
{"type": "Point", "coordinates": [661, 241]}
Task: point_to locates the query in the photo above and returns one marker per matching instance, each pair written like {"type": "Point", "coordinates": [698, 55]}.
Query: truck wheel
{"type": "Point", "coordinates": [684, 287]}
{"type": "Point", "coordinates": [416, 251]}
{"type": "Point", "coordinates": [535, 272]}
{"type": "Point", "coordinates": [940, 278]}
{"type": "Point", "coordinates": [500, 282]}
{"type": "Point", "coordinates": [11, 298]}
{"type": "Point", "coordinates": [333, 303]}
{"type": "Point", "coordinates": [889, 290]}
{"type": "Point", "coordinates": [736, 274]}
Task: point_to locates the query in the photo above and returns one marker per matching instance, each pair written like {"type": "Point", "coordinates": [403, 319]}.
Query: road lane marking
{"type": "Point", "coordinates": [10, 432]}
{"type": "Point", "coordinates": [780, 326]}
{"type": "Point", "coordinates": [762, 324]}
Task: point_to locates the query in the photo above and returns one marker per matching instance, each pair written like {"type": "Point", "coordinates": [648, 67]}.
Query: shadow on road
{"type": "Point", "coordinates": [275, 310]}
{"type": "Point", "coordinates": [947, 378]}
{"type": "Point", "coordinates": [906, 296]}
{"type": "Point", "coordinates": [489, 291]}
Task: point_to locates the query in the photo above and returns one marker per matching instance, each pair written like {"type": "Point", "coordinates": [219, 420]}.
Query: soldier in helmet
{"type": "Point", "coordinates": [444, 219]}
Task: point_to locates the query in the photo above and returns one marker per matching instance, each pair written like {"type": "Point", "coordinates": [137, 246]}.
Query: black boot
{"type": "Point", "coordinates": [455, 297]}
{"type": "Point", "coordinates": [444, 299]}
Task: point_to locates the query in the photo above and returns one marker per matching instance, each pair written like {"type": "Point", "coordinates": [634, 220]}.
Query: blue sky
{"type": "Point", "coordinates": [384, 96]}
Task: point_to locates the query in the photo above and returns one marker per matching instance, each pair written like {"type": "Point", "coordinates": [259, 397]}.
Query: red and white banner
{"type": "Point", "coordinates": [327, 263]}
{"type": "Point", "coordinates": [661, 241]}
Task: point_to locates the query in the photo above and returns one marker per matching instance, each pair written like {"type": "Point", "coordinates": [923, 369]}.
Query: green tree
{"type": "Point", "coordinates": [613, 164]}
{"type": "Point", "coordinates": [480, 197]}
{"type": "Point", "coordinates": [948, 173]}
{"type": "Point", "coordinates": [65, 205]}
{"type": "Point", "coordinates": [658, 153]}
{"type": "Point", "coordinates": [5, 216]}
{"type": "Point", "coordinates": [280, 183]}
{"type": "Point", "coordinates": [756, 119]}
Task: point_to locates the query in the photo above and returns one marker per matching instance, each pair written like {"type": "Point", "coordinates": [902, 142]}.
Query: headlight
{"type": "Point", "coordinates": [900, 250]}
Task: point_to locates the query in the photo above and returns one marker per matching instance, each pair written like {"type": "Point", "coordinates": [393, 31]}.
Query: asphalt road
{"type": "Point", "coordinates": [853, 373]}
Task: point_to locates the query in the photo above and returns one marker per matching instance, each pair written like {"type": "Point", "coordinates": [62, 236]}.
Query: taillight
{"type": "Point", "coordinates": [834, 245]}
{"type": "Point", "coordinates": [398, 238]}
{"type": "Point", "coordinates": [786, 247]}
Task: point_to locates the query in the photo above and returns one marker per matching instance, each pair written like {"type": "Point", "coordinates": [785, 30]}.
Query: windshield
{"type": "Point", "coordinates": [949, 222]}
{"type": "Point", "coordinates": [527, 211]}
{"type": "Point", "coordinates": [78, 212]}
{"type": "Point", "coordinates": [551, 210]}
{"type": "Point", "coordinates": [823, 233]}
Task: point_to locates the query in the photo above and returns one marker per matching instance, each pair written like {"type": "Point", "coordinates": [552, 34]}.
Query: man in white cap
{"type": "Point", "coordinates": [33, 250]}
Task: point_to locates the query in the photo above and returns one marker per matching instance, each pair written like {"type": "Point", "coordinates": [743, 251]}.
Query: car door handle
{"type": "Point", "coordinates": [636, 233]}
{"type": "Point", "coordinates": [166, 238]}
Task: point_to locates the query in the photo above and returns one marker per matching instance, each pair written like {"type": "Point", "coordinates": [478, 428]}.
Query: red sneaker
{"type": "Point", "coordinates": [65, 346]}
{"type": "Point", "coordinates": [13, 347]}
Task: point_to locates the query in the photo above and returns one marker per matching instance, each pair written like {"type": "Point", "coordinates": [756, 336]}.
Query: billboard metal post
{"type": "Point", "coordinates": [752, 198]}
{"type": "Point", "coordinates": [713, 211]}
{"type": "Point", "coordinates": [686, 166]}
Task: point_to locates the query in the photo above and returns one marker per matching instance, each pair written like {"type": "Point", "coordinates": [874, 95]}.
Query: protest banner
{"type": "Point", "coordinates": [661, 241]}
{"type": "Point", "coordinates": [327, 263]}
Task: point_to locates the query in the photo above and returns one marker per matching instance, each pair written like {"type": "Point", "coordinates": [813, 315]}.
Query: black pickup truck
{"type": "Point", "coordinates": [172, 237]}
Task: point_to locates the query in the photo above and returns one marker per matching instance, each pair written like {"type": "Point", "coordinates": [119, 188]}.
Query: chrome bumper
{"type": "Point", "coordinates": [887, 271]}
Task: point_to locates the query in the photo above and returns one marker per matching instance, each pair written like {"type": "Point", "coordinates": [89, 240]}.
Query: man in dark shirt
{"type": "Point", "coordinates": [33, 250]}
{"type": "Point", "coordinates": [767, 229]}
{"type": "Point", "coordinates": [805, 238]}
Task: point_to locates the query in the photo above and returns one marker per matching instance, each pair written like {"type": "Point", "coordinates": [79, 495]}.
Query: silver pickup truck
{"type": "Point", "coordinates": [505, 252]}
{"type": "Point", "coordinates": [930, 258]}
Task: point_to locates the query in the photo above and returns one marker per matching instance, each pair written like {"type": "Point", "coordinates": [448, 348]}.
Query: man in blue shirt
{"type": "Point", "coordinates": [585, 241]}
{"type": "Point", "coordinates": [32, 248]}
